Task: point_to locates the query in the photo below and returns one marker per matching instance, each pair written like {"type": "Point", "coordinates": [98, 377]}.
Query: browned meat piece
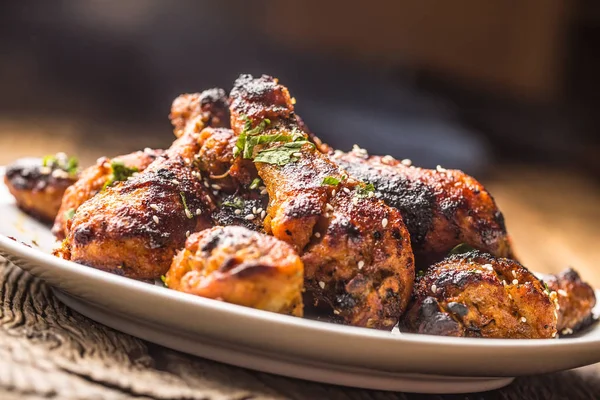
{"type": "Point", "coordinates": [356, 250]}
{"type": "Point", "coordinates": [441, 208]}
{"type": "Point", "coordinates": [576, 301]}
{"type": "Point", "coordinates": [93, 179]}
{"type": "Point", "coordinates": [135, 227]}
{"type": "Point", "coordinates": [235, 265]}
{"type": "Point", "coordinates": [477, 295]}
{"type": "Point", "coordinates": [193, 112]}
{"type": "Point", "coordinates": [38, 184]}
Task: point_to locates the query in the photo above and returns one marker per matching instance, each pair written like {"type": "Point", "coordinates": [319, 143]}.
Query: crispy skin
{"type": "Point", "coordinates": [356, 250]}
{"type": "Point", "coordinates": [441, 208]}
{"type": "Point", "coordinates": [135, 227]}
{"type": "Point", "coordinates": [475, 295]}
{"type": "Point", "coordinates": [239, 266]}
{"type": "Point", "coordinates": [195, 111]}
{"type": "Point", "coordinates": [576, 301]}
{"type": "Point", "coordinates": [38, 190]}
{"type": "Point", "coordinates": [91, 181]}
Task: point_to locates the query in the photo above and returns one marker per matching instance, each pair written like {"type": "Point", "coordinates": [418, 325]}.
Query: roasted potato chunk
{"type": "Point", "coordinates": [38, 185]}
{"type": "Point", "coordinates": [239, 266]}
{"type": "Point", "coordinates": [477, 295]}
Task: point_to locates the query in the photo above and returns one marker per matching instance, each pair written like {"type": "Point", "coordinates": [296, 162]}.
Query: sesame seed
{"type": "Point", "coordinates": [297, 154]}
{"type": "Point", "coordinates": [371, 194]}
{"type": "Point", "coordinates": [433, 288]}
{"type": "Point", "coordinates": [264, 191]}
{"type": "Point", "coordinates": [562, 292]}
{"type": "Point", "coordinates": [175, 181]}
{"type": "Point", "coordinates": [237, 212]}
{"type": "Point", "coordinates": [384, 222]}
{"type": "Point", "coordinates": [329, 207]}
{"type": "Point", "coordinates": [387, 159]}
{"type": "Point", "coordinates": [567, 331]}
{"type": "Point", "coordinates": [333, 192]}
{"type": "Point", "coordinates": [523, 319]}
{"type": "Point", "coordinates": [187, 234]}
{"type": "Point", "coordinates": [361, 264]}
{"type": "Point", "coordinates": [553, 334]}
{"type": "Point", "coordinates": [515, 282]}
{"type": "Point", "coordinates": [503, 282]}
{"type": "Point", "coordinates": [355, 200]}
{"type": "Point", "coordinates": [216, 192]}
{"type": "Point", "coordinates": [510, 296]}
{"type": "Point", "coordinates": [249, 217]}
{"type": "Point", "coordinates": [514, 273]}
{"type": "Point", "coordinates": [198, 211]}
{"type": "Point", "coordinates": [263, 214]}
{"type": "Point", "coordinates": [206, 184]}
{"type": "Point", "coordinates": [215, 186]}
{"type": "Point", "coordinates": [45, 170]}
{"type": "Point", "coordinates": [351, 180]}
{"type": "Point", "coordinates": [346, 190]}
{"type": "Point", "coordinates": [439, 168]}
{"type": "Point", "coordinates": [406, 162]}
{"type": "Point", "coordinates": [254, 210]}
{"type": "Point", "coordinates": [262, 187]}
{"type": "Point", "coordinates": [259, 210]}
{"type": "Point", "coordinates": [155, 218]}
{"type": "Point", "coordinates": [317, 235]}
{"type": "Point", "coordinates": [154, 207]}
{"type": "Point", "coordinates": [188, 214]}
{"type": "Point", "coordinates": [488, 267]}
{"type": "Point", "coordinates": [322, 284]}
{"type": "Point", "coordinates": [336, 312]}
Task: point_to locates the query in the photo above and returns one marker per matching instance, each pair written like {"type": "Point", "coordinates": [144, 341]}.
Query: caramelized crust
{"type": "Point", "coordinates": [356, 250]}
{"type": "Point", "coordinates": [91, 181]}
{"type": "Point", "coordinates": [441, 208]}
{"type": "Point", "coordinates": [238, 266]}
{"type": "Point", "coordinates": [477, 295]}
{"type": "Point", "coordinates": [37, 189]}
{"type": "Point", "coordinates": [576, 301]}
{"type": "Point", "coordinates": [193, 112]}
{"type": "Point", "coordinates": [135, 227]}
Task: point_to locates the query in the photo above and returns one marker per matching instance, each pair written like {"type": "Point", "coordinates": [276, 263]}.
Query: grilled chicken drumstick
{"type": "Point", "coordinates": [239, 266]}
{"type": "Point", "coordinates": [477, 295]}
{"type": "Point", "coordinates": [441, 208]}
{"type": "Point", "coordinates": [134, 227]}
{"type": "Point", "coordinates": [356, 250]}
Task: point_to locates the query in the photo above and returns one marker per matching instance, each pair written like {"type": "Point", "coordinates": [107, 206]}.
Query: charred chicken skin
{"type": "Point", "coordinates": [134, 227]}
{"type": "Point", "coordinates": [239, 266]}
{"type": "Point", "coordinates": [576, 301]}
{"type": "Point", "coordinates": [38, 184]}
{"type": "Point", "coordinates": [356, 250]}
{"type": "Point", "coordinates": [441, 208]}
{"type": "Point", "coordinates": [477, 295]}
{"type": "Point", "coordinates": [194, 111]}
{"type": "Point", "coordinates": [93, 179]}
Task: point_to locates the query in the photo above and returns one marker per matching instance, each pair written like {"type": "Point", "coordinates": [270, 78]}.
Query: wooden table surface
{"type": "Point", "coordinates": [49, 351]}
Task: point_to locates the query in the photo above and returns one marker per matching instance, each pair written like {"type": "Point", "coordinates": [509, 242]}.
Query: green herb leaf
{"type": "Point", "coordinates": [461, 249]}
{"type": "Point", "coordinates": [66, 164]}
{"type": "Point", "coordinates": [164, 280]}
{"type": "Point", "coordinates": [120, 172]}
{"type": "Point", "coordinates": [255, 183]}
{"type": "Point", "coordinates": [69, 213]}
{"type": "Point", "coordinates": [188, 213]}
{"type": "Point", "coordinates": [365, 191]}
{"type": "Point", "coordinates": [546, 287]}
{"type": "Point", "coordinates": [420, 273]}
{"type": "Point", "coordinates": [281, 155]}
{"type": "Point", "coordinates": [238, 202]}
{"type": "Point", "coordinates": [330, 180]}
{"type": "Point", "coordinates": [245, 144]}
{"type": "Point", "coordinates": [49, 161]}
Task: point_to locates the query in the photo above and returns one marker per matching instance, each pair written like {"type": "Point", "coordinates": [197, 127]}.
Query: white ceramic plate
{"type": "Point", "coordinates": [280, 344]}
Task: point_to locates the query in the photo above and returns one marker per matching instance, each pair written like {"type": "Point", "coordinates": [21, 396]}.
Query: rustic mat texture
{"type": "Point", "coordinates": [49, 351]}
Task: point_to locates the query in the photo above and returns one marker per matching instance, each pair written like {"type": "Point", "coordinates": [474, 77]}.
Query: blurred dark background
{"type": "Point", "coordinates": [463, 84]}
{"type": "Point", "coordinates": [507, 91]}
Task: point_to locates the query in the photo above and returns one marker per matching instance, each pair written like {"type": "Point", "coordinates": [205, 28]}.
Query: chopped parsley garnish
{"type": "Point", "coordinates": [119, 172]}
{"type": "Point", "coordinates": [281, 155]}
{"type": "Point", "coordinates": [236, 203]}
{"type": "Point", "coordinates": [461, 249]}
{"type": "Point", "coordinates": [546, 288]}
{"type": "Point", "coordinates": [255, 183]}
{"type": "Point", "coordinates": [69, 213]}
{"type": "Point", "coordinates": [365, 191]}
{"type": "Point", "coordinates": [330, 180]}
{"type": "Point", "coordinates": [61, 161]}
{"type": "Point", "coordinates": [188, 213]}
{"type": "Point", "coordinates": [421, 273]}
{"type": "Point", "coordinates": [164, 280]}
